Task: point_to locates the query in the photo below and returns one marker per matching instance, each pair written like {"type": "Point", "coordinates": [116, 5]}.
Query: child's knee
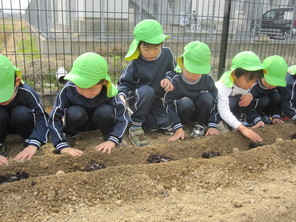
{"type": "Point", "coordinates": [76, 113]}
{"type": "Point", "coordinates": [145, 92]}
{"type": "Point", "coordinates": [206, 99]}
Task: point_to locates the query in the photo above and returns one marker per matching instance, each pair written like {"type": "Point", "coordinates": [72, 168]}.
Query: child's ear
{"type": "Point", "coordinates": [105, 82]}
{"type": "Point", "coordinates": [17, 81]}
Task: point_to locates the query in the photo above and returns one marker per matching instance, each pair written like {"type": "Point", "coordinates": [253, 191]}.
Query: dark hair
{"type": "Point", "coordinates": [238, 72]}
{"type": "Point", "coordinates": [101, 81]}
{"type": "Point", "coordinates": [148, 44]}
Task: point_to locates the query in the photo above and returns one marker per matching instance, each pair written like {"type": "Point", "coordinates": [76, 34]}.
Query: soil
{"type": "Point", "coordinates": [161, 182]}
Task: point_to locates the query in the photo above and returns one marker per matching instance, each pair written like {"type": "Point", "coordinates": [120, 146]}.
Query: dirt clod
{"type": "Point", "coordinates": [254, 145]}
{"type": "Point", "coordinates": [20, 175]}
{"type": "Point", "coordinates": [210, 154]}
{"type": "Point", "coordinates": [158, 158]}
{"type": "Point", "coordinates": [93, 165]}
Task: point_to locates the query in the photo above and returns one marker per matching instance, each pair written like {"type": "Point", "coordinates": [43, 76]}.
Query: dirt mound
{"type": "Point", "coordinates": [242, 184]}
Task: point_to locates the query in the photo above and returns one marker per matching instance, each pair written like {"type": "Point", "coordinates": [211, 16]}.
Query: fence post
{"type": "Point", "coordinates": [224, 39]}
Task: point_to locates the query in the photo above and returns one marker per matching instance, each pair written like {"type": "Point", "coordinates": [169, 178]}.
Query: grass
{"type": "Point", "coordinates": [5, 33]}
{"type": "Point", "coordinates": [29, 48]}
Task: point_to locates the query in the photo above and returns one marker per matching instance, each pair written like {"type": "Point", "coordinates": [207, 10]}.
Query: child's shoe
{"type": "Point", "coordinates": [198, 131]}
{"type": "Point", "coordinates": [267, 120]}
{"type": "Point", "coordinates": [3, 149]}
{"type": "Point", "coordinates": [25, 143]}
{"type": "Point", "coordinates": [71, 140]}
{"type": "Point", "coordinates": [137, 137]}
{"type": "Point", "coordinates": [169, 131]}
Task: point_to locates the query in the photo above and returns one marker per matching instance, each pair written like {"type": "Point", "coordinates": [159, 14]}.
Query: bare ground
{"type": "Point", "coordinates": [242, 184]}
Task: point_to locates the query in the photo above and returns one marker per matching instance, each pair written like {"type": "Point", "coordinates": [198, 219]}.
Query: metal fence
{"type": "Point", "coordinates": [43, 38]}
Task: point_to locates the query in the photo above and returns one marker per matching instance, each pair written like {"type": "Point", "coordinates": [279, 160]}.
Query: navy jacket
{"type": "Point", "coordinates": [182, 88]}
{"type": "Point", "coordinates": [259, 90]}
{"type": "Point", "coordinates": [288, 97]}
{"type": "Point", "coordinates": [26, 96]}
{"type": "Point", "coordinates": [141, 72]}
{"type": "Point", "coordinates": [69, 96]}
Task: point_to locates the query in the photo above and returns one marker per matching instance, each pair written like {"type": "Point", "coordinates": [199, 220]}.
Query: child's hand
{"type": "Point", "coordinates": [245, 100]}
{"type": "Point", "coordinates": [123, 100]}
{"type": "Point", "coordinates": [277, 121]}
{"type": "Point", "coordinates": [166, 85]}
{"type": "Point", "coordinates": [212, 131]}
{"type": "Point", "coordinates": [249, 133]}
{"type": "Point", "coordinates": [3, 160]}
{"type": "Point", "coordinates": [259, 124]}
{"type": "Point", "coordinates": [179, 134]}
{"type": "Point", "coordinates": [27, 153]}
{"type": "Point", "coordinates": [105, 147]}
{"type": "Point", "coordinates": [71, 151]}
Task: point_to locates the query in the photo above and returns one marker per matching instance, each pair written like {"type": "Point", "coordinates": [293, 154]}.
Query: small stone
{"type": "Point", "coordinates": [60, 173]}
{"type": "Point", "coordinates": [235, 150]}
{"type": "Point", "coordinates": [174, 190]}
{"type": "Point", "coordinates": [279, 140]}
{"type": "Point", "coordinates": [265, 166]}
{"type": "Point", "coordinates": [237, 203]}
{"type": "Point", "coordinates": [119, 202]}
{"type": "Point", "coordinates": [187, 187]}
{"type": "Point", "coordinates": [283, 210]}
{"type": "Point", "coordinates": [160, 188]}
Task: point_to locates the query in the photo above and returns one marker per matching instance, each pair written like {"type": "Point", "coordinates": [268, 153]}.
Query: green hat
{"type": "Point", "coordinates": [276, 67]}
{"type": "Point", "coordinates": [196, 58]}
{"type": "Point", "coordinates": [292, 70]}
{"type": "Point", "coordinates": [149, 31]}
{"type": "Point", "coordinates": [247, 60]}
{"type": "Point", "coordinates": [88, 69]}
{"type": "Point", "coordinates": [7, 78]}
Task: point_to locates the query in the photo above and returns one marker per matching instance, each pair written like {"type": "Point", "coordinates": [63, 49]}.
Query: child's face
{"type": "Point", "coordinates": [90, 92]}
{"type": "Point", "coordinates": [190, 77]}
{"type": "Point", "coordinates": [17, 83]}
{"type": "Point", "coordinates": [150, 52]}
{"type": "Point", "coordinates": [244, 82]}
{"type": "Point", "coordinates": [268, 86]}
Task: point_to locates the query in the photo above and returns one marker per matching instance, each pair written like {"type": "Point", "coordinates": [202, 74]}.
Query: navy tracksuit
{"type": "Point", "coordinates": [192, 101]}
{"type": "Point", "coordinates": [140, 85]}
{"type": "Point", "coordinates": [24, 115]}
{"type": "Point", "coordinates": [288, 97]}
{"type": "Point", "coordinates": [73, 113]}
{"type": "Point", "coordinates": [265, 101]}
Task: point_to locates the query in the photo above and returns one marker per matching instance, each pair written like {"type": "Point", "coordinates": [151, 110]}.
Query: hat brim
{"type": "Point", "coordinates": [255, 68]}
{"type": "Point", "coordinates": [275, 81]}
{"type": "Point", "coordinates": [85, 83]}
{"type": "Point", "coordinates": [192, 67]}
{"type": "Point", "coordinates": [157, 39]}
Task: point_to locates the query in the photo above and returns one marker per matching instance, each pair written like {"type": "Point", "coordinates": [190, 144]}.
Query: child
{"type": "Point", "coordinates": [288, 94]}
{"type": "Point", "coordinates": [233, 96]}
{"type": "Point", "coordinates": [266, 94]}
{"type": "Point", "coordinates": [88, 101]}
{"type": "Point", "coordinates": [143, 83]}
{"type": "Point", "coordinates": [194, 95]}
{"type": "Point", "coordinates": [20, 112]}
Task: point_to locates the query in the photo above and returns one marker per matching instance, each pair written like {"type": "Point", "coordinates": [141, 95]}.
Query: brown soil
{"type": "Point", "coordinates": [242, 184]}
